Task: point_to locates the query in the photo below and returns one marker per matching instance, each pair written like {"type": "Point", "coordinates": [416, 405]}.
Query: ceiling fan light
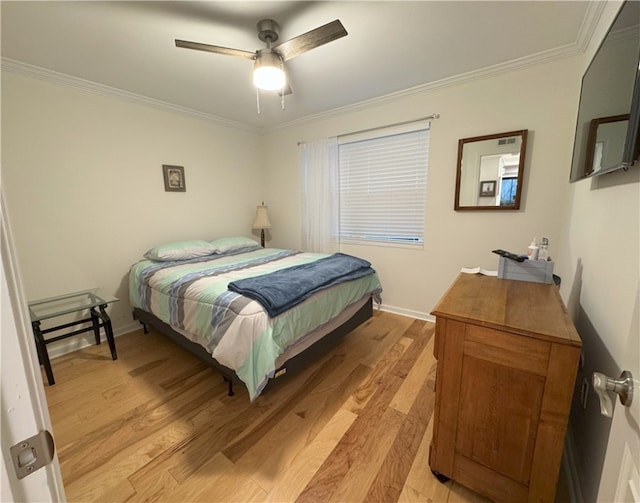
{"type": "Point", "coordinates": [267, 72]}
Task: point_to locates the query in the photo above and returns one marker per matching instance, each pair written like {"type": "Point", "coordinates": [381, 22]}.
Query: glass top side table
{"type": "Point", "coordinates": [93, 301]}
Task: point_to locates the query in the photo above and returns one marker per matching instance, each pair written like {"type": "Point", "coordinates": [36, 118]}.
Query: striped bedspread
{"type": "Point", "coordinates": [192, 297]}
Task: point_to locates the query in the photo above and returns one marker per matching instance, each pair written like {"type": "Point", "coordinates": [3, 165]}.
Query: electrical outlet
{"type": "Point", "coordinates": [584, 391]}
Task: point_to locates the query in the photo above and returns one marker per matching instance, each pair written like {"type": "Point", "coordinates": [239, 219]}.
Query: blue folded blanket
{"type": "Point", "coordinates": [283, 289]}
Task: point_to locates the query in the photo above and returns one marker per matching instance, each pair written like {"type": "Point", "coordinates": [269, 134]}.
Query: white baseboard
{"type": "Point", "coordinates": [71, 344]}
{"type": "Point", "coordinates": [407, 312]}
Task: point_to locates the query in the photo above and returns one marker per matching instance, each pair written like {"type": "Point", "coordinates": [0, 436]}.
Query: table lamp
{"type": "Point", "coordinates": [262, 221]}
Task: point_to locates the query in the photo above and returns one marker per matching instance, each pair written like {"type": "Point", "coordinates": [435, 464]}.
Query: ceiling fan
{"type": "Point", "coordinates": [268, 66]}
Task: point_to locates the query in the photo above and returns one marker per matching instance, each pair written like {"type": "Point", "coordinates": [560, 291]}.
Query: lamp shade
{"type": "Point", "coordinates": [262, 218]}
{"type": "Point", "coordinates": [267, 71]}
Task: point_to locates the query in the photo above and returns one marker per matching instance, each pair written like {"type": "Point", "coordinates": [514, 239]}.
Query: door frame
{"type": "Point", "coordinates": [24, 404]}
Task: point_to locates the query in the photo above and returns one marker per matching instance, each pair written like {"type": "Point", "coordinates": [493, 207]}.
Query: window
{"type": "Point", "coordinates": [508, 174]}
{"type": "Point", "coordinates": [508, 190]}
{"type": "Point", "coordinates": [383, 182]}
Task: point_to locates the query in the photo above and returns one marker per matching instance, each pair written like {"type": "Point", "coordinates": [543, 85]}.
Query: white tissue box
{"type": "Point", "coordinates": [536, 271]}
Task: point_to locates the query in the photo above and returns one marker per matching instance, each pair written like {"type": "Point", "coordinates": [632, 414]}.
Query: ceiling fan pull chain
{"type": "Point", "coordinates": [258, 99]}
{"type": "Point", "coordinates": [282, 90]}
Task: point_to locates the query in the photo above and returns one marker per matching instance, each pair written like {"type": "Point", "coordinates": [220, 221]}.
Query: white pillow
{"type": "Point", "coordinates": [181, 250]}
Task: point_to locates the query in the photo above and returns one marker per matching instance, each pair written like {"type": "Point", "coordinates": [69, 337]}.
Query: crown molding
{"type": "Point", "coordinates": [20, 68]}
{"type": "Point", "coordinates": [590, 23]}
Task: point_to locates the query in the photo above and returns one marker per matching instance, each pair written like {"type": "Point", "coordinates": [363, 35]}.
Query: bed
{"type": "Point", "coordinates": [216, 299]}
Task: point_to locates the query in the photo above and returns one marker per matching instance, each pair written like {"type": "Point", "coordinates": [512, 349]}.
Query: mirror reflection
{"type": "Point", "coordinates": [606, 143]}
{"type": "Point", "coordinates": [490, 171]}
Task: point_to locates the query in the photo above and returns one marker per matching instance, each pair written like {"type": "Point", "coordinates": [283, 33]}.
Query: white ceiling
{"type": "Point", "coordinates": [392, 47]}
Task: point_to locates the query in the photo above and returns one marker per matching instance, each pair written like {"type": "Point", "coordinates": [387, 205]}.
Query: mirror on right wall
{"type": "Point", "coordinates": [490, 171]}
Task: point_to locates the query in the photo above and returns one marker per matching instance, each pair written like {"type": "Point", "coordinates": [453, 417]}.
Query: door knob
{"type": "Point", "coordinates": [623, 387]}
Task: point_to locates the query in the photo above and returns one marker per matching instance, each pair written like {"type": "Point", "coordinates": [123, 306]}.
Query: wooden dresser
{"type": "Point", "coordinates": [507, 356]}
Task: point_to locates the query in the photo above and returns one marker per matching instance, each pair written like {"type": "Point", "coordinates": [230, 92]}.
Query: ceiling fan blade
{"type": "Point", "coordinates": [215, 48]}
{"type": "Point", "coordinates": [310, 40]}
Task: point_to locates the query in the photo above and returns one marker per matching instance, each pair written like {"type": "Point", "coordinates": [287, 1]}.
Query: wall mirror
{"type": "Point", "coordinates": [490, 171]}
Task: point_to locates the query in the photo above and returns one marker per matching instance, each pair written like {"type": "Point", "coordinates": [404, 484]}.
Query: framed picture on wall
{"type": "Point", "coordinates": [174, 178]}
{"type": "Point", "coordinates": [488, 188]}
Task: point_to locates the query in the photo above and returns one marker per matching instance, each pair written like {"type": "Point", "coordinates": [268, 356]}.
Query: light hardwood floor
{"type": "Point", "coordinates": [157, 424]}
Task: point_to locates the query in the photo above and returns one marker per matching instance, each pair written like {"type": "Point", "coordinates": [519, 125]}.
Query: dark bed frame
{"type": "Point", "coordinates": [292, 365]}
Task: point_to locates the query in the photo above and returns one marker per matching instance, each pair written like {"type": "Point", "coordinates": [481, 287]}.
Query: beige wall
{"type": "Point", "coordinates": [82, 177]}
{"type": "Point", "coordinates": [542, 99]}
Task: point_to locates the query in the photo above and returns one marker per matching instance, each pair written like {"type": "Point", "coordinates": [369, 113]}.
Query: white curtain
{"type": "Point", "coordinates": [320, 198]}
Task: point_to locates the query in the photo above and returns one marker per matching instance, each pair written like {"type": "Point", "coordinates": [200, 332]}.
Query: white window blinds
{"type": "Point", "coordinates": [383, 182]}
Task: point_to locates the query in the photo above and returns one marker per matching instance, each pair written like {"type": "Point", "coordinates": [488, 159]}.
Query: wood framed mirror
{"type": "Point", "coordinates": [490, 171]}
